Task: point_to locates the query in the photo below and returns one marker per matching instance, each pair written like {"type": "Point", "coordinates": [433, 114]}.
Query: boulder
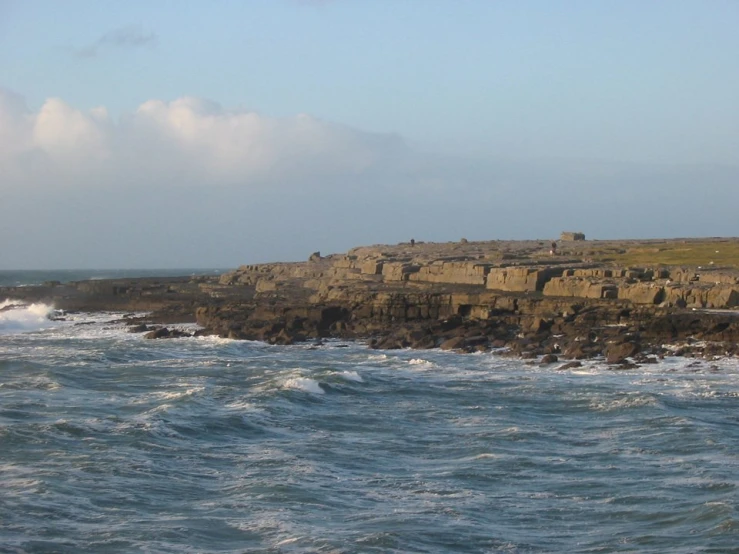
{"type": "Point", "coordinates": [617, 353]}
{"type": "Point", "coordinates": [642, 293]}
{"type": "Point", "coordinates": [160, 333]}
{"type": "Point", "coordinates": [575, 286]}
{"type": "Point", "coordinates": [455, 343]}
{"type": "Point", "coordinates": [575, 351]}
{"type": "Point", "coordinates": [521, 279]}
{"type": "Point", "coordinates": [164, 333]}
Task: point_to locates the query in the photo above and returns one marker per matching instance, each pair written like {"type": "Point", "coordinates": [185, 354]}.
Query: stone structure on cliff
{"type": "Point", "coordinates": [568, 235]}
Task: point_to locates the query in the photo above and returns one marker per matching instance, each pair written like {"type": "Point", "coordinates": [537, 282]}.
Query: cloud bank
{"type": "Point", "coordinates": [188, 183]}
{"type": "Point", "coordinates": [190, 138]}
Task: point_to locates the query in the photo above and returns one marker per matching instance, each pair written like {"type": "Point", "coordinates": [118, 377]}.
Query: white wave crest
{"type": "Point", "coordinates": [627, 402]}
{"type": "Point", "coordinates": [174, 395]}
{"type": "Point", "coordinates": [352, 376]}
{"type": "Point", "coordinates": [17, 317]}
{"type": "Point", "coordinates": [305, 384]}
{"type": "Point", "coordinates": [419, 364]}
{"type": "Point", "coordinates": [242, 405]}
{"type": "Point", "coordinates": [486, 456]}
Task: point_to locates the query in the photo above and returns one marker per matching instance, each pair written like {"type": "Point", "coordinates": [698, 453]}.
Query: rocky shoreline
{"type": "Point", "coordinates": [550, 302]}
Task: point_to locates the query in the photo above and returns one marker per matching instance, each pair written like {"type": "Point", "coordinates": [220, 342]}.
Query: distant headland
{"type": "Point", "coordinates": [553, 301]}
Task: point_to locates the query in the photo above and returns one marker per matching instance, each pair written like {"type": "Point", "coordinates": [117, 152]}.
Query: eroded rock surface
{"type": "Point", "coordinates": [464, 296]}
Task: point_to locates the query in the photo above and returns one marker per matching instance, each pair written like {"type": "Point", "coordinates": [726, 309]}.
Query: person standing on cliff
{"type": "Point", "coordinates": [553, 251]}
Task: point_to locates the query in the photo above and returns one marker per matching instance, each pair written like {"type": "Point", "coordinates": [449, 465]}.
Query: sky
{"type": "Point", "coordinates": [161, 134]}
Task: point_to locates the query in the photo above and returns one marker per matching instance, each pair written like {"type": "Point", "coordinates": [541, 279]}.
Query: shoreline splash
{"type": "Point", "coordinates": [19, 317]}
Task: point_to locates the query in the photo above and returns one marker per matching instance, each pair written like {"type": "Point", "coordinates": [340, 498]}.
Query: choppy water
{"type": "Point", "coordinates": [111, 443]}
{"type": "Point", "coordinates": [15, 278]}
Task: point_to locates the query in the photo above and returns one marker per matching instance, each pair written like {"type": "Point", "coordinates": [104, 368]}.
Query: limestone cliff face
{"type": "Point", "coordinates": [470, 264]}
{"type": "Point", "coordinates": [466, 295]}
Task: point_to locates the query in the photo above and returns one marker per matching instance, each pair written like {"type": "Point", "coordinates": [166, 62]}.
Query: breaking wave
{"type": "Point", "coordinates": [17, 317]}
{"type": "Point", "coordinates": [304, 384]}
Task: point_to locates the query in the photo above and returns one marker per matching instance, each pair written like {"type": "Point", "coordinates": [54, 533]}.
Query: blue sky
{"type": "Point", "coordinates": [442, 100]}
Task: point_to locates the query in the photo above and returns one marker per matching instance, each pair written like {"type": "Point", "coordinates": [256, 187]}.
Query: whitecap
{"type": "Point", "coordinates": [17, 317]}
{"type": "Point", "coordinates": [421, 364]}
{"type": "Point", "coordinates": [631, 401]}
{"type": "Point", "coordinates": [215, 339]}
{"type": "Point", "coordinates": [242, 405]}
{"type": "Point", "coordinates": [509, 431]}
{"type": "Point", "coordinates": [485, 456]}
{"type": "Point", "coordinates": [352, 376]}
{"type": "Point", "coordinates": [285, 542]}
{"type": "Point", "coordinates": [304, 384]}
{"type": "Point", "coordinates": [171, 395]}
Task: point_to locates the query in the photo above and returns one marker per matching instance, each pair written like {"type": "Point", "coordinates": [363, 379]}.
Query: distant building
{"type": "Point", "coordinates": [571, 236]}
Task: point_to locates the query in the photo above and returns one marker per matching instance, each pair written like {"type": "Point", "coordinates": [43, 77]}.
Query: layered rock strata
{"type": "Point", "coordinates": [512, 296]}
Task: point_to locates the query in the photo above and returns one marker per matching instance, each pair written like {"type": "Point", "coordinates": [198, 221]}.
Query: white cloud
{"type": "Point", "coordinates": [160, 139]}
{"type": "Point", "coordinates": [69, 135]}
{"type": "Point", "coordinates": [188, 183]}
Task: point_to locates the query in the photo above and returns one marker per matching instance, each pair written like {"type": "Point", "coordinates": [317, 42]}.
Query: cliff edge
{"type": "Point", "coordinates": [628, 301]}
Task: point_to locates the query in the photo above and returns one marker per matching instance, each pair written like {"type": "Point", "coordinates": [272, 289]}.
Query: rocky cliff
{"type": "Point", "coordinates": [478, 296]}
{"type": "Point", "coordinates": [515, 296]}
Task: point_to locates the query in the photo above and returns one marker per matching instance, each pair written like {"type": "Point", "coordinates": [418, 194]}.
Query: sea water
{"type": "Point", "coordinates": [113, 443]}
{"type": "Point", "coordinates": [20, 278]}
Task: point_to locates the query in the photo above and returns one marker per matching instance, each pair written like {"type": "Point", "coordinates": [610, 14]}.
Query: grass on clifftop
{"type": "Point", "coordinates": [722, 253]}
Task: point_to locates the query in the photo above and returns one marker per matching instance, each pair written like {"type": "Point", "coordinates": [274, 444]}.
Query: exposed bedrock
{"type": "Point", "coordinates": [523, 297]}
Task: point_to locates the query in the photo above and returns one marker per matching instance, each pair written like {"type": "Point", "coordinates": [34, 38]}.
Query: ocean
{"type": "Point", "coordinates": [113, 443]}
{"type": "Point", "coordinates": [19, 278]}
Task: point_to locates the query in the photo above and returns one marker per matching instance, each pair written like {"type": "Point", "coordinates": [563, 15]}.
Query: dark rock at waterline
{"type": "Point", "coordinates": [160, 333]}
{"type": "Point", "coordinates": [623, 366]}
{"type": "Point", "coordinates": [576, 351]}
{"type": "Point", "coordinates": [644, 359]}
{"type": "Point", "coordinates": [165, 333]}
{"type": "Point", "coordinates": [616, 353]}
{"type": "Point", "coordinates": [455, 343]}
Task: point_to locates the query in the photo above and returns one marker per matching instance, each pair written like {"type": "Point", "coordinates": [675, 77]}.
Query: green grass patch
{"type": "Point", "coordinates": [689, 253]}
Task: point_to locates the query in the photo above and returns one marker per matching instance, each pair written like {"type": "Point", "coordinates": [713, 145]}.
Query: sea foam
{"type": "Point", "coordinates": [17, 317]}
{"type": "Point", "coordinates": [352, 376]}
{"type": "Point", "coordinates": [305, 384]}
